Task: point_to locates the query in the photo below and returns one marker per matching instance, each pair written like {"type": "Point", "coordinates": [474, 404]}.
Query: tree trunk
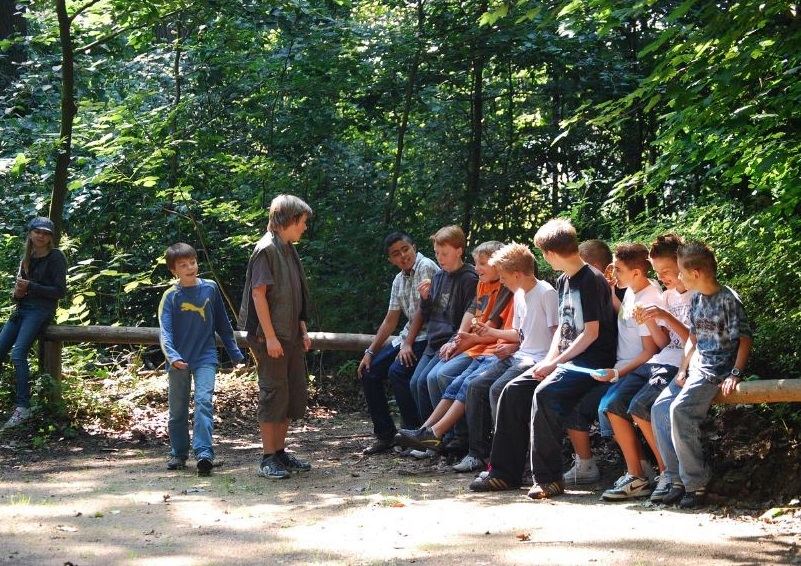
{"type": "Point", "coordinates": [11, 23]}
{"type": "Point", "coordinates": [68, 111]}
{"type": "Point", "coordinates": [407, 105]}
{"type": "Point", "coordinates": [473, 186]}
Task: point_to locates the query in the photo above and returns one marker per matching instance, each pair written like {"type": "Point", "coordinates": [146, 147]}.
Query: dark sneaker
{"type": "Point", "coordinates": [662, 488]}
{"type": "Point", "coordinates": [674, 495]}
{"type": "Point", "coordinates": [546, 491]}
{"type": "Point", "coordinates": [272, 468]}
{"type": "Point", "coordinates": [456, 446]}
{"type": "Point", "coordinates": [423, 439]}
{"type": "Point", "coordinates": [627, 487]}
{"type": "Point", "coordinates": [693, 499]}
{"type": "Point", "coordinates": [204, 466]}
{"type": "Point", "coordinates": [176, 463]}
{"type": "Point", "coordinates": [291, 463]}
{"type": "Point", "coordinates": [378, 446]}
{"type": "Point", "coordinates": [491, 483]}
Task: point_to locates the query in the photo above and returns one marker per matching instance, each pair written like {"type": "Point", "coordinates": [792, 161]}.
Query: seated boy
{"type": "Point", "coordinates": [635, 346]}
{"type": "Point", "coordinates": [492, 305]}
{"type": "Point", "coordinates": [396, 362]}
{"type": "Point", "coordinates": [534, 324]}
{"type": "Point", "coordinates": [587, 340]}
{"type": "Point", "coordinates": [672, 316]}
{"type": "Point", "coordinates": [443, 302]}
{"type": "Point", "coordinates": [715, 356]}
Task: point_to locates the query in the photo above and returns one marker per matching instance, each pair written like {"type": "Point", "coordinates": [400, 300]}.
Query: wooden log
{"type": "Point", "coordinates": [759, 391]}
{"type": "Point", "coordinates": [763, 391]}
{"type": "Point", "coordinates": [150, 336]}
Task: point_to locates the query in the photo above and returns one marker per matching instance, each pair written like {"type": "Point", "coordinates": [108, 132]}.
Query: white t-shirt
{"type": "Point", "coordinates": [536, 316]}
{"type": "Point", "coordinates": [677, 304]}
{"type": "Point", "coordinates": [629, 333]}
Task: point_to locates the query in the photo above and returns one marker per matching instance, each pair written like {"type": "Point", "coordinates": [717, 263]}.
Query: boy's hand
{"type": "Point", "coordinates": [274, 348]}
{"type": "Point", "coordinates": [406, 356]}
{"type": "Point", "coordinates": [364, 365]}
{"type": "Point", "coordinates": [424, 288]}
{"type": "Point", "coordinates": [503, 351]}
{"type": "Point", "coordinates": [543, 369]}
{"type": "Point", "coordinates": [306, 341]}
{"type": "Point", "coordinates": [729, 384]}
{"type": "Point", "coordinates": [681, 378]}
{"type": "Point", "coordinates": [180, 364]}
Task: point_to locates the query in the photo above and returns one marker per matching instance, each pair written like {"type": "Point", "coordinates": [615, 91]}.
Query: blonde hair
{"type": "Point", "coordinates": [28, 252]}
{"type": "Point", "coordinates": [487, 248]}
{"type": "Point", "coordinates": [515, 258]}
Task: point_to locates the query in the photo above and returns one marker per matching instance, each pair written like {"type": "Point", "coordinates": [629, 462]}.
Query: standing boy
{"type": "Point", "coordinates": [190, 313]}
{"type": "Point", "coordinates": [715, 355]}
{"type": "Point", "coordinates": [567, 399]}
{"type": "Point", "coordinates": [274, 312]}
{"type": "Point", "coordinates": [396, 361]}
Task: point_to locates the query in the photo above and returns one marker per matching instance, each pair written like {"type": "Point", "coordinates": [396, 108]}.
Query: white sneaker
{"type": "Point", "coordinates": [422, 454]}
{"type": "Point", "coordinates": [19, 416]}
{"type": "Point", "coordinates": [583, 471]}
{"type": "Point", "coordinates": [630, 487]}
{"type": "Point", "coordinates": [469, 464]}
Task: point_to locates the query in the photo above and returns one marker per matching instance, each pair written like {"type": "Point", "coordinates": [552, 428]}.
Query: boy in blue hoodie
{"type": "Point", "coordinates": [191, 312]}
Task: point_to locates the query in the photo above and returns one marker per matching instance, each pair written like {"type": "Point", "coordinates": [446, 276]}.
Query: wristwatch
{"type": "Point", "coordinates": [735, 372]}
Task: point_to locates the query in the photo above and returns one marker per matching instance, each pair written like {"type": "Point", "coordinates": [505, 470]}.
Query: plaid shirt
{"type": "Point", "coordinates": [405, 298]}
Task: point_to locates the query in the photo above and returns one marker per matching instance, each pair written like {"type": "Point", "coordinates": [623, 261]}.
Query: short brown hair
{"type": "Point", "coordinates": [178, 251]}
{"type": "Point", "coordinates": [514, 258]}
{"type": "Point", "coordinates": [697, 255]}
{"type": "Point", "coordinates": [596, 253]}
{"type": "Point", "coordinates": [286, 210]}
{"type": "Point", "coordinates": [557, 236]}
{"type": "Point", "coordinates": [451, 235]}
{"type": "Point", "coordinates": [635, 256]}
{"type": "Point", "coordinates": [665, 245]}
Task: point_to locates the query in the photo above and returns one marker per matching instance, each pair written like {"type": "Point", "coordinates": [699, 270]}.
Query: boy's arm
{"type": "Point", "coordinates": [390, 323]}
{"type": "Point", "coordinates": [654, 312]}
{"type": "Point", "coordinates": [173, 357]}
{"type": "Point", "coordinates": [743, 350]}
{"type": "Point", "coordinates": [587, 336]}
{"type": "Point", "coordinates": [260, 303]}
{"type": "Point", "coordinates": [689, 350]}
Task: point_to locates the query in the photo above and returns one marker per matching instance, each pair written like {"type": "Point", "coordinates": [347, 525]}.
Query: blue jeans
{"type": "Point", "coordinates": [419, 384]}
{"type": "Point", "coordinates": [386, 367]}
{"type": "Point", "coordinates": [617, 398]}
{"type": "Point", "coordinates": [180, 381]}
{"type": "Point", "coordinates": [676, 417]}
{"type": "Point", "coordinates": [444, 374]}
{"type": "Point", "coordinates": [17, 336]}
{"type": "Point", "coordinates": [456, 389]}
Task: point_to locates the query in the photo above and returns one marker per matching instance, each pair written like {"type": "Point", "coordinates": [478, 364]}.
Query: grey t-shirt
{"type": "Point", "coordinates": [718, 321]}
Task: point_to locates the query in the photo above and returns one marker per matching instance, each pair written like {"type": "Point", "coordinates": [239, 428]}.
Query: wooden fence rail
{"type": "Point", "coordinates": [55, 336]}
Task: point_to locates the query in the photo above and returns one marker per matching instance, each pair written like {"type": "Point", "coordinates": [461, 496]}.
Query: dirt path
{"type": "Point", "coordinates": [94, 504]}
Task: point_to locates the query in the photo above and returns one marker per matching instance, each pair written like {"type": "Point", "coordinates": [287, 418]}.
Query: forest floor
{"type": "Point", "coordinates": [105, 497]}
